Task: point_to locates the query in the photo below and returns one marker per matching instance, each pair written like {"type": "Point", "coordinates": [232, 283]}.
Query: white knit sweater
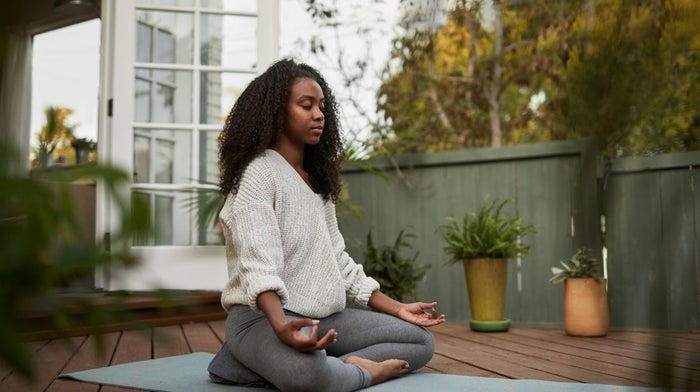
{"type": "Point", "coordinates": [281, 236]}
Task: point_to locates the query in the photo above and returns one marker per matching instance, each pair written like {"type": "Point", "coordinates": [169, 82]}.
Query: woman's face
{"type": "Point", "coordinates": [304, 113]}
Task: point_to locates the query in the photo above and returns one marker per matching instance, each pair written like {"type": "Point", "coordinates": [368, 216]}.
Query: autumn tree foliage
{"type": "Point", "coordinates": [54, 139]}
{"type": "Point", "coordinates": [505, 72]}
{"type": "Point", "coordinates": [634, 78]}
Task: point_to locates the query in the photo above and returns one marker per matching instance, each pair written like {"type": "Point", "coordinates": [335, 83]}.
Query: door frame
{"type": "Point", "coordinates": [160, 267]}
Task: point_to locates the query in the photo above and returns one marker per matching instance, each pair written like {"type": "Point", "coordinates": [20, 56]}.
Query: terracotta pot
{"type": "Point", "coordinates": [486, 286]}
{"type": "Point", "coordinates": [586, 307]}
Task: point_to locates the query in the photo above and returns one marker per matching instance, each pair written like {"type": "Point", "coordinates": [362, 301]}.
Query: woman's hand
{"type": "Point", "coordinates": [420, 313]}
{"type": "Point", "coordinates": [293, 334]}
{"type": "Point", "coordinates": [414, 313]}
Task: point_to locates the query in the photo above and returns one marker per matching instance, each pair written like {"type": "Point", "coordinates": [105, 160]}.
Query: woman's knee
{"type": "Point", "coordinates": [310, 376]}
{"type": "Point", "coordinates": [424, 350]}
{"type": "Point", "coordinates": [428, 340]}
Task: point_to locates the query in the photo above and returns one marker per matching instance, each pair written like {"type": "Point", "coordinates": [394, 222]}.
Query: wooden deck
{"type": "Point", "coordinates": [625, 357]}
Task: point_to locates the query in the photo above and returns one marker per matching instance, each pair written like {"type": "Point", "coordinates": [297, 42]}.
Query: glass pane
{"type": "Point", "coordinates": [210, 235]}
{"type": "Point", "coordinates": [165, 37]}
{"type": "Point", "coordinates": [142, 100]}
{"type": "Point", "coordinates": [165, 43]}
{"type": "Point", "coordinates": [141, 158]}
{"type": "Point", "coordinates": [209, 157]}
{"type": "Point", "coordinates": [163, 96]}
{"type": "Point", "coordinates": [232, 5]}
{"type": "Point", "coordinates": [167, 3]}
{"type": "Point", "coordinates": [165, 149]}
{"type": "Point", "coordinates": [229, 41]}
{"type": "Point", "coordinates": [141, 240]}
{"type": "Point", "coordinates": [163, 228]}
{"type": "Point", "coordinates": [162, 156]}
{"type": "Point", "coordinates": [180, 221]}
{"type": "Point", "coordinates": [171, 218]}
{"type": "Point", "coordinates": [219, 91]}
{"type": "Point", "coordinates": [209, 201]}
{"type": "Point", "coordinates": [144, 42]}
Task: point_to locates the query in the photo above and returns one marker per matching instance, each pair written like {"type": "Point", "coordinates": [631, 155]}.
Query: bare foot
{"type": "Point", "coordinates": [380, 371]}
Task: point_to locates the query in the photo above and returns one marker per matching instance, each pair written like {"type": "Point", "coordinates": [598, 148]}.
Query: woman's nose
{"type": "Point", "coordinates": [318, 114]}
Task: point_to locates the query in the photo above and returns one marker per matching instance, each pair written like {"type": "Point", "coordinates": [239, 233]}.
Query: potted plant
{"type": "Point", "coordinates": [585, 297]}
{"type": "Point", "coordinates": [397, 274]}
{"type": "Point", "coordinates": [483, 241]}
{"type": "Point", "coordinates": [82, 147]}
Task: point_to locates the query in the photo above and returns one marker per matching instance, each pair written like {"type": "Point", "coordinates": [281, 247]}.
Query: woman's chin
{"type": "Point", "coordinates": [313, 140]}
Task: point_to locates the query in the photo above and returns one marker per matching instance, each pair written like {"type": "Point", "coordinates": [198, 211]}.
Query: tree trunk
{"type": "Point", "coordinates": [495, 91]}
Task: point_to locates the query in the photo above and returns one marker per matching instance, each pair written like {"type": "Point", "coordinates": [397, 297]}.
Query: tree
{"type": "Point", "coordinates": [506, 72]}
{"type": "Point", "coordinates": [342, 42]}
{"type": "Point", "coordinates": [634, 79]}
{"type": "Point", "coordinates": [55, 137]}
{"type": "Point", "coordinates": [470, 82]}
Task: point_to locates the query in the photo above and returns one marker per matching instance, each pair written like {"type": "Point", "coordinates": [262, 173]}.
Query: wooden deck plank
{"type": "Point", "coordinates": [678, 346]}
{"type": "Point", "coordinates": [219, 328]}
{"type": "Point", "coordinates": [201, 338]}
{"type": "Point", "coordinates": [526, 352]}
{"type": "Point", "coordinates": [494, 360]}
{"type": "Point", "coordinates": [545, 360]}
{"type": "Point", "coordinates": [603, 345]}
{"type": "Point", "coordinates": [134, 345]}
{"type": "Point", "coordinates": [606, 351]}
{"type": "Point", "coordinates": [49, 361]}
{"type": "Point", "coordinates": [666, 352]}
{"type": "Point", "coordinates": [639, 334]}
{"type": "Point", "coordinates": [169, 341]}
{"type": "Point", "coordinates": [563, 361]}
{"type": "Point", "coordinates": [92, 354]}
{"type": "Point", "coordinates": [442, 364]}
{"type": "Point", "coordinates": [6, 370]}
{"type": "Point", "coordinates": [663, 343]}
{"type": "Point", "coordinates": [621, 352]}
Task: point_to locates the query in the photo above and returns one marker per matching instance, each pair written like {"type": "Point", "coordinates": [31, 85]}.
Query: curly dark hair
{"type": "Point", "coordinates": [257, 117]}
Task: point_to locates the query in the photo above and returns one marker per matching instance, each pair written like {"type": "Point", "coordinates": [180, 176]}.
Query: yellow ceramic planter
{"type": "Point", "coordinates": [486, 286]}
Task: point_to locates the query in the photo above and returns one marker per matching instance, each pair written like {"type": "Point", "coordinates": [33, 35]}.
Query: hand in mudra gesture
{"type": "Point", "coordinates": [293, 334]}
{"type": "Point", "coordinates": [420, 313]}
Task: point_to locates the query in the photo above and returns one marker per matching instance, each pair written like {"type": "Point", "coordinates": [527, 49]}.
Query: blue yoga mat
{"type": "Point", "coordinates": [186, 373]}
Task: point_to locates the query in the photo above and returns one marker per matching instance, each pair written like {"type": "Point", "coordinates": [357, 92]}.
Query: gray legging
{"type": "Point", "coordinates": [363, 333]}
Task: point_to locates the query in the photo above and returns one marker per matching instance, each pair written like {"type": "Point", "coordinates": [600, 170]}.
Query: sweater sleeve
{"type": "Point", "coordinates": [358, 286]}
{"type": "Point", "coordinates": [251, 226]}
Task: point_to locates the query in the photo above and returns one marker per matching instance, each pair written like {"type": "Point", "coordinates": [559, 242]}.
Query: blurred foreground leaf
{"type": "Point", "coordinates": [46, 249]}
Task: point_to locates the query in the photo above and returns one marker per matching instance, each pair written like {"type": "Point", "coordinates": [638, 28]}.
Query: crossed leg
{"type": "Point", "coordinates": [371, 348]}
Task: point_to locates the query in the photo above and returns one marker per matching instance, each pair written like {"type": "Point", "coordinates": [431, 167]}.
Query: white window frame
{"type": "Point", "coordinates": [170, 267]}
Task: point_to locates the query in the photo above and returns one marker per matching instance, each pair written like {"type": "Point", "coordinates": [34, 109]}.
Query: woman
{"type": "Point", "coordinates": [296, 302]}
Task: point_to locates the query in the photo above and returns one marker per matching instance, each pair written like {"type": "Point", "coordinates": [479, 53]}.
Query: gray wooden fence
{"type": "Point", "coordinates": [652, 233]}
{"type": "Point", "coordinates": [555, 186]}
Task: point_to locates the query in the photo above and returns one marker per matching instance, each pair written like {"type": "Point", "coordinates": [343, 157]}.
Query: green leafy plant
{"type": "Point", "coordinates": [83, 143]}
{"type": "Point", "coordinates": [485, 233]}
{"type": "Point", "coordinates": [45, 249]}
{"type": "Point", "coordinates": [581, 265]}
{"type": "Point", "coordinates": [398, 275]}
{"type": "Point", "coordinates": [206, 203]}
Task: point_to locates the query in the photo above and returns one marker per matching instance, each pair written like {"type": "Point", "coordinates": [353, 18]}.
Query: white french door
{"type": "Point", "coordinates": [171, 71]}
